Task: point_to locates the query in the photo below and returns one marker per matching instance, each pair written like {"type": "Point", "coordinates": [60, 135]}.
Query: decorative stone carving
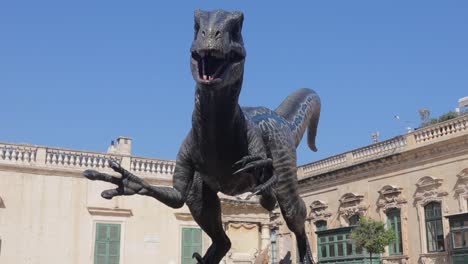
{"type": "Point", "coordinates": [434, 258]}
{"type": "Point", "coordinates": [318, 211]}
{"type": "Point", "coordinates": [461, 189]}
{"type": "Point", "coordinates": [352, 204]}
{"type": "Point", "coordinates": [390, 197]}
{"type": "Point", "coordinates": [428, 191]}
{"type": "Point", "coordinates": [275, 219]}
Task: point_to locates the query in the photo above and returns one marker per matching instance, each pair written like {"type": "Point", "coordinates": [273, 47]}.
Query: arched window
{"type": "Point", "coordinates": [434, 228]}
{"type": "Point", "coordinates": [394, 224]}
{"type": "Point", "coordinates": [321, 225]}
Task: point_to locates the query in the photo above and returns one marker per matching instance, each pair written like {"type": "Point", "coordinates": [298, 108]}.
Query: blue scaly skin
{"type": "Point", "coordinates": [230, 149]}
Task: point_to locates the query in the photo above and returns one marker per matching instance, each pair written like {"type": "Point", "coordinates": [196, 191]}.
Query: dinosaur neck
{"type": "Point", "coordinates": [217, 115]}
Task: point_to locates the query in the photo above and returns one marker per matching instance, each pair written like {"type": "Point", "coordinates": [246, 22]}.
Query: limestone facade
{"type": "Point", "coordinates": [404, 173]}
{"type": "Point", "coordinates": [49, 212]}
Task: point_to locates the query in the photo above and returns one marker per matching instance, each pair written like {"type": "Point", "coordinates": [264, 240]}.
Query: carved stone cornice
{"type": "Point", "coordinates": [239, 201]}
{"type": "Point", "coordinates": [110, 211]}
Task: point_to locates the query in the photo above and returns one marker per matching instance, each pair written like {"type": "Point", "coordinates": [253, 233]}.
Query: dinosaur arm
{"type": "Point", "coordinates": [255, 139]}
{"type": "Point", "coordinates": [182, 180]}
{"type": "Point", "coordinates": [257, 157]}
{"type": "Point", "coordinates": [129, 184]}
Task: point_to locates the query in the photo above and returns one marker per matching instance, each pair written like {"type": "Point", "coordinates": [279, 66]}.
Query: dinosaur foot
{"type": "Point", "coordinates": [198, 258]}
{"type": "Point", "coordinates": [248, 163]}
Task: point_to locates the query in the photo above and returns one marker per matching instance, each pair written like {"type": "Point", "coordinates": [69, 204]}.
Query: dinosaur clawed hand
{"type": "Point", "coordinates": [250, 163]}
{"type": "Point", "coordinates": [262, 188]}
{"type": "Point", "coordinates": [198, 258]}
{"type": "Point", "coordinates": [128, 184]}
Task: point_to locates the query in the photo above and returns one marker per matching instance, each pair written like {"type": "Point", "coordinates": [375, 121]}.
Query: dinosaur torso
{"type": "Point", "coordinates": [231, 149]}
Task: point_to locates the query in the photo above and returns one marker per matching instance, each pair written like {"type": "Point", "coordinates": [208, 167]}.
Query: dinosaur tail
{"type": "Point", "coordinates": [302, 109]}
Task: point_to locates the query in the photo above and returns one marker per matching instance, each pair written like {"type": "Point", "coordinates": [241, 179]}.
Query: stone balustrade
{"type": "Point", "coordinates": [378, 149]}
{"type": "Point", "coordinates": [25, 154]}
{"type": "Point", "coordinates": [56, 157]}
{"type": "Point", "coordinates": [441, 131]}
{"type": "Point", "coordinates": [76, 160]}
{"type": "Point", "coordinates": [325, 164]}
{"type": "Point", "coordinates": [17, 153]}
{"type": "Point", "coordinates": [151, 166]}
{"type": "Point", "coordinates": [436, 131]}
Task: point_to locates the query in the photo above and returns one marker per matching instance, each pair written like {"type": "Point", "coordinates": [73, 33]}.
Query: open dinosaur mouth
{"type": "Point", "coordinates": [212, 65]}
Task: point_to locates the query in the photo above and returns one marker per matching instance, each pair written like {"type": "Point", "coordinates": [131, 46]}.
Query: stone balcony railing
{"type": "Point", "coordinates": [427, 135]}
{"type": "Point", "coordinates": [26, 155]}
{"type": "Point", "coordinates": [76, 160]}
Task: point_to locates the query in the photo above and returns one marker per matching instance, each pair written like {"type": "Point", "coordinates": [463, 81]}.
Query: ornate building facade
{"type": "Point", "coordinates": [416, 183]}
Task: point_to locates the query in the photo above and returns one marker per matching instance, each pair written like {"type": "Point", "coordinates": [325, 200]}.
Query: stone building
{"type": "Point", "coordinates": [50, 213]}
{"type": "Point", "coordinates": [417, 183]}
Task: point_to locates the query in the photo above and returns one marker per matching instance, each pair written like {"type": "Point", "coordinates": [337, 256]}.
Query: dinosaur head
{"type": "Point", "coordinates": [217, 52]}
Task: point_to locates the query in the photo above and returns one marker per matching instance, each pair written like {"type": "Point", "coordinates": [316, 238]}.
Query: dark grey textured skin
{"type": "Point", "coordinates": [230, 149]}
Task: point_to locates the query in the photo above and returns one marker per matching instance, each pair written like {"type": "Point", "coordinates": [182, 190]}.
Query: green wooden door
{"type": "Point", "coordinates": [107, 245]}
{"type": "Point", "coordinates": [191, 242]}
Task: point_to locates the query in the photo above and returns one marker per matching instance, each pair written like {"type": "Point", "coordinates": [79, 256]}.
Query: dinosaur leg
{"type": "Point", "coordinates": [205, 207]}
{"type": "Point", "coordinates": [292, 207]}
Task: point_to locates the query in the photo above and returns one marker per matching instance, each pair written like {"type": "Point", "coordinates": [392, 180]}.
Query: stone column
{"type": "Point", "coordinates": [265, 235]}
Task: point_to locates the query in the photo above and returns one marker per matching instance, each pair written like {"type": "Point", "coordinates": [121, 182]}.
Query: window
{"type": "Point", "coordinates": [191, 243]}
{"type": "Point", "coordinates": [336, 246]}
{"type": "Point", "coordinates": [107, 245]}
{"type": "Point", "coordinates": [434, 228]}
{"type": "Point", "coordinates": [321, 225]}
{"type": "Point", "coordinates": [394, 223]}
{"type": "Point", "coordinates": [274, 247]}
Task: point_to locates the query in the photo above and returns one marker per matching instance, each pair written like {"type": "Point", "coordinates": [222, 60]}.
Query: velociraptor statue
{"type": "Point", "coordinates": [230, 149]}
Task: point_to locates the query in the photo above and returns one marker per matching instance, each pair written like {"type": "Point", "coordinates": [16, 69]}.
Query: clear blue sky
{"type": "Point", "coordinates": [78, 75]}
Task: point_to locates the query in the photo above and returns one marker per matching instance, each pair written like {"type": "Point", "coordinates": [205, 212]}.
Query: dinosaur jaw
{"type": "Point", "coordinates": [212, 67]}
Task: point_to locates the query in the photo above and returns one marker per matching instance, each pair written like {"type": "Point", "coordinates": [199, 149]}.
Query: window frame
{"type": "Point", "coordinates": [434, 220]}
{"type": "Point", "coordinates": [108, 241]}
{"type": "Point", "coordinates": [182, 241]}
{"type": "Point", "coordinates": [394, 217]}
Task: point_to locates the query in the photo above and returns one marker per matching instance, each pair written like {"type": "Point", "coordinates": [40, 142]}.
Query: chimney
{"type": "Point", "coordinates": [463, 104]}
{"type": "Point", "coordinates": [123, 146]}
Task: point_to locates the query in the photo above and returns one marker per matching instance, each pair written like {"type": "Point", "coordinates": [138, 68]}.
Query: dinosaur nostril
{"type": "Point", "coordinates": [217, 33]}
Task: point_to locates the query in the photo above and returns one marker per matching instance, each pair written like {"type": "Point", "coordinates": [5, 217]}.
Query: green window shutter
{"type": "Point", "coordinates": [394, 224]}
{"type": "Point", "coordinates": [107, 244]}
{"type": "Point", "coordinates": [434, 228]}
{"type": "Point", "coordinates": [191, 243]}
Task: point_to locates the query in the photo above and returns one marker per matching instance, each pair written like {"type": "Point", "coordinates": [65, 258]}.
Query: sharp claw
{"type": "Point", "coordinates": [246, 160]}
{"type": "Point", "coordinates": [91, 174]}
{"type": "Point", "coordinates": [198, 258]}
{"type": "Point", "coordinates": [248, 167]}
